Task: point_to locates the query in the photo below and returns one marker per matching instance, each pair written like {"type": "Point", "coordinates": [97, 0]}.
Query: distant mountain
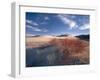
{"type": "Point", "coordinates": [36, 35]}
{"type": "Point", "coordinates": [84, 37]}
{"type": "Point", "coordinates": [63, 35]}
{"type": "Point", "coordinates": [32, 35]}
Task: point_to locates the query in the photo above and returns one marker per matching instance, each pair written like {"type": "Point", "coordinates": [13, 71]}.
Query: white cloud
{"type": "Point", "coordinates": [32, 22]}
{"type": "Point", "coordinates": [35, 24]}
{"type": "Point", "coordinates": [46, 18]}
{"type": "Point", "coordinates": [29, 21]}
{"type": "Point", "coordinates": [72, 24]}
{"type": "Point", "coordinates": [29, 34]}
{"type": "Point", "coordinates": [33, 28]}
{"type": "Point", "coordinates": [84, 27]}
{"type": "Point", "coordinates": [36, 28]}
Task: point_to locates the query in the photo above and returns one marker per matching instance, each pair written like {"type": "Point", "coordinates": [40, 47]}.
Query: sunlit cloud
{"type": "Point", "coordinates": [35, 24]}
{"type": "Point", "coordinates": [33, 28]}
{"type": "Point", "coordinates": [72, 24]}
{"type": "Point", "coordinates": [46, 18]}
{"type": "Point", "coordinates": [84, 27]}
{"type": "Point", "coordinates": [32, 22]}
{"type": "Point", "coordinates": [29, 21]}
{"type": "Point", "coordinates": [36, 29]}
{"type": "Point", "coordinates": [29, 34]}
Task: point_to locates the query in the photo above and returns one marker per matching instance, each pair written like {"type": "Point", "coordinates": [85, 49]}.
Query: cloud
{"type": "Point", "coordinates": [72, 24]}
{"type": "Point", "coordinates": [84, 27]}
{"type": "Point", "coordinates": [29, 34]}
{"type": "Point", "coordinates": [46, 18]}
{"type": "Point", "coordinates": [29, 21]}
{"type": "Point", "coordinates": [35, 24]}
{"type": "Point", "coordinates": [33, 28]}
{"type": "Point", "coordinates": [36, 29]}
{"type": "Point", "coordinates": [32, 22]}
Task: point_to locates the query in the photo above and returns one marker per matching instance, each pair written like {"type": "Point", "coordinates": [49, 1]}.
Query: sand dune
{"type": "Point", "coordinates": [32, 42]}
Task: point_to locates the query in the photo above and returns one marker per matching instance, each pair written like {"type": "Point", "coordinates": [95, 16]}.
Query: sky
{"type": "Point", "coordinates": [56, 24]}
